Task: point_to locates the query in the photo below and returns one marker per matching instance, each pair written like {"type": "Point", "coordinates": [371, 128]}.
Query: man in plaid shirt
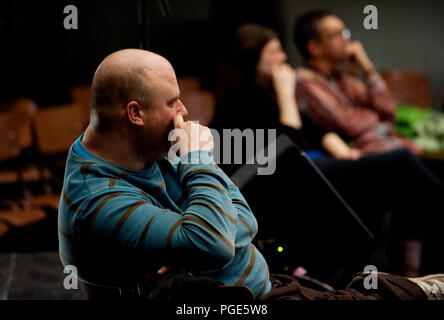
{"type": "Point", "coordinates": [362, 113]}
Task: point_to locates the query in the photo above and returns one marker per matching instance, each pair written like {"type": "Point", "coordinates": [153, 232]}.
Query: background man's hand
{"type": "Point", "coordinates": [356, 53]}
{"type": "Point", "coordinates": [193, 136]}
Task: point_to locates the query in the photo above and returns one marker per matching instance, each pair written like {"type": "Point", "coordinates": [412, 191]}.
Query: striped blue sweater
{"type": "Point", "coordinates": [117, 224]}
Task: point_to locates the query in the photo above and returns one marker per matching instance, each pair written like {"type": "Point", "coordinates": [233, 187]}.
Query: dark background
{"type": "Point", "coordinates": [41, 60]}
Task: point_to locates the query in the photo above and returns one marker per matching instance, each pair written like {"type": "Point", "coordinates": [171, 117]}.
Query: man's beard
{"type": "Point", "coordinates": [149, 149]}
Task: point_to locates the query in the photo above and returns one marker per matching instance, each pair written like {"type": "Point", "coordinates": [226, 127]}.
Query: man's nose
{"type": "Point", "coordinates": [181, 109]}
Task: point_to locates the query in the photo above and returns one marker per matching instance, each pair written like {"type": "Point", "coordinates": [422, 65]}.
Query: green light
{"type": "Point", "coordinates": [286, 268]}
{"type": "Point", "coordinates": [280, 249]}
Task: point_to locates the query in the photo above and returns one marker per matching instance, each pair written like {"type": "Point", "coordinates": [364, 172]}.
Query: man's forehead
{"type": "Point", "coordinates": [330, 23]}
{"type": "Point", "coordinates": [164, 82]}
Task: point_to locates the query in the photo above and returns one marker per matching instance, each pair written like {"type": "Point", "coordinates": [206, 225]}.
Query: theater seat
{"type": "Point", "coordinates": [409, 87]}
{"type": "Point", "coordinates": [22, 217]}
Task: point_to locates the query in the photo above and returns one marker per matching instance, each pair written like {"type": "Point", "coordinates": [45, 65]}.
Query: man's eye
{"type": "Point", "coordinates": [173, 102]}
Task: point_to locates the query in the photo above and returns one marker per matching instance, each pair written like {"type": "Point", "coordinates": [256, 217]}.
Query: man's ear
{"type": "Point", "coordinates": [314, 48]}
{"type": "Point", "coordinates": [134, 113]}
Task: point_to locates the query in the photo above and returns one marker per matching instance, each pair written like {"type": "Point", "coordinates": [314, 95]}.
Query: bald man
{"type": "Point", "coordinates": [126, 211]}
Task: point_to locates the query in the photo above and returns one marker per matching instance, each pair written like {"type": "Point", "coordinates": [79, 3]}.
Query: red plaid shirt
{"type": "Point", "coordinates": [362, 113]}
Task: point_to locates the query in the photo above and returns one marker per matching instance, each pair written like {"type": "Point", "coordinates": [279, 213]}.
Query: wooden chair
{"type": "Point", "coordinates": [56, 128]}
{"type": "Point", "coordinates": [24, 110]}
{"type": "Point", "coordinates": [13, 215]}
{"type": "Point", "coordinates": [21, 218]}
{"type": "Point", "coordinates": [9, 151]}
{"type": "Point", "coordinates": [4, 229]}
{"type": "Point", "coordinates": [409, 87]}
{"type": "Point", "coordinates": [442, 101]}
{"type": "Point", "coordinates": [81, 96]}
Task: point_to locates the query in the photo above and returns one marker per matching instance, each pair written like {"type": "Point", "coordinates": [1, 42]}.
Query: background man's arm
{"type": "Point", "coordinates": [381, 99]}
{"type": "Point", "coordinates": [318, 103]}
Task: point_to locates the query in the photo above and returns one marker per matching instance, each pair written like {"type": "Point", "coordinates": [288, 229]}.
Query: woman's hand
{"type": "Point", "coordinates": [338, 148]}
{"type": "Point", "coordinates": [284, 83]}
{"type": "Point", "coordinates": [353, 154]}
{"type": "Point", "coordinates": [284, 80]}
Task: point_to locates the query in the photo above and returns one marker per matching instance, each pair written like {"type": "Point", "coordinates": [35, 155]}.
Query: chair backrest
{"type": "Point", "coordinates": [442, 101]}
{"type": "Point", "coordinates": [24, 109]}
{"type": "Point", "coordinates": [9, 137]}
{"type": "Point", "coordinates": [57, 127]}
{"type": "Point", "coordinates": [81, 96]}
{"type": "Point", "coordinates": [409, 87]}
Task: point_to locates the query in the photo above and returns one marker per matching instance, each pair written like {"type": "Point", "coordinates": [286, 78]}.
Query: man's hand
{"type": "Point", "coordinates": [356, 54]}
{"type": "Point", "coordinates": [192, 136]}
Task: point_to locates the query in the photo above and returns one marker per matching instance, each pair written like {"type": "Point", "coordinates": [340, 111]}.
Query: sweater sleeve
{"type": "Point", "coordinates": [245, 215]}
{"type": "Point", "coordinates": [205, 231]}
{"type": "Point", "coordinates": [381, 98]}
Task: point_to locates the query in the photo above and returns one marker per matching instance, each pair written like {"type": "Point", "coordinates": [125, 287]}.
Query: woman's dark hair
{"type": "Point", "coordinates": [242, 56]}
{"type": "Point", "coordinates": [249, 39]}
{"type": "Point", "coordinates": [306, 28]}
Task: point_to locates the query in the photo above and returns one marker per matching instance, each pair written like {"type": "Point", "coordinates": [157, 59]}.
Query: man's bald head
{"type": "Point", "coordinates": [123, 76]}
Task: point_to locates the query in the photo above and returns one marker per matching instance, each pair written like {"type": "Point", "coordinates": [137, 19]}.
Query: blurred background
{"type": "Point", "coordinates": [46, 71]}
{"type": "Point", "coordinates": [42, 60]}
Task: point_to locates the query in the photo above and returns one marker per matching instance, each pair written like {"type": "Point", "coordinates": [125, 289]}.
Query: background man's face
{"type": "Point", "coordinates": [332, 41]}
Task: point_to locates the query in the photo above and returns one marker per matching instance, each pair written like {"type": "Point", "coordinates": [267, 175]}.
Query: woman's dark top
{"type": "Point", "coordinates": [252, 107]}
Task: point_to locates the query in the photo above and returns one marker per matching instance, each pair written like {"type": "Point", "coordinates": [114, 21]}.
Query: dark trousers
{"type": "Point", "coordinates": [389, 287]}
{"type": "Point", "coordinates": [395, 180]}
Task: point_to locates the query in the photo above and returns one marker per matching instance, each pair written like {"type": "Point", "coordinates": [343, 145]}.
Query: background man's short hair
{"type": "Point", "coordinates": [306, 28]}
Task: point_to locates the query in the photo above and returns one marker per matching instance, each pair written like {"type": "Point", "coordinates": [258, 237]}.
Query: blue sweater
{"type": "Point", "coordinates": [116, 224]}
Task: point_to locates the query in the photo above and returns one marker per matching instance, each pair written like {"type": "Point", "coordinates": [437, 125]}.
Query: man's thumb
{"type": "Point", "coordinates": [178, 121]}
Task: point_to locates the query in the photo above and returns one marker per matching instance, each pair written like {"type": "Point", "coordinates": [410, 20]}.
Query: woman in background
{"type": "Point", "coordinates": [257, 90]}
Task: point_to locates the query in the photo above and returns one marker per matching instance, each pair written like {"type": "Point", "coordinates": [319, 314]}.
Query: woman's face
{"type": "Point", "coordinates": [271, 54]}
